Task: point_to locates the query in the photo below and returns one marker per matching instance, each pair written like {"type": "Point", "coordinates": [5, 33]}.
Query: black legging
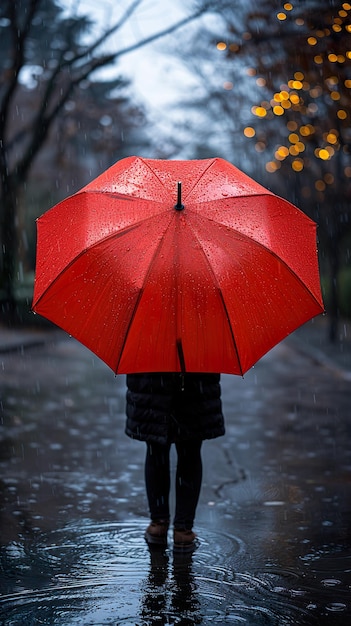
{"type": "Point", "coordinates": [188, 481]}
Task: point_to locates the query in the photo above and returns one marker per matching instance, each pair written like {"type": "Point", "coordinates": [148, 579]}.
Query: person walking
{"type": "Point", "coordinates": [181, 409]}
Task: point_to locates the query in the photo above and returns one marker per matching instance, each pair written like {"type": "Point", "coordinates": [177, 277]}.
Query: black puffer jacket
{"type": "Point", "coordinates": [164, 408]}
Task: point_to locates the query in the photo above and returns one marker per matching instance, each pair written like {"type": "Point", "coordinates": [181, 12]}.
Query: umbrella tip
{"type": "Point", "coordinates": [179, 206]}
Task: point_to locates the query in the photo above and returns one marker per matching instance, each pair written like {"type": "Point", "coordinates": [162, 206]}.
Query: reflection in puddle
{"type": "Point", "coordinates": [105, 574]}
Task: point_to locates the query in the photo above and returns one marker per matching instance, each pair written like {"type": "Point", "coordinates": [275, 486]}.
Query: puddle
{"type": "Point", "coordinates": [99, 574]}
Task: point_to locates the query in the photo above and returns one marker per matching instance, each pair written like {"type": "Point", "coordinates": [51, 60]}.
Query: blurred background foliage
{"type": "Point", "coordinates": [271, 93]}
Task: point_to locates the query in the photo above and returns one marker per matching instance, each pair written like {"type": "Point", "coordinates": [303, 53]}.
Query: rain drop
{"type": "Point", "coordinates": [336, 606]}
{"type": "Point", "coordinates": [331, 582]}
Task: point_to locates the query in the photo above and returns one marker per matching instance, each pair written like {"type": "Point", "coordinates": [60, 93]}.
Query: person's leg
{"type": "Point", "coordinates": [157, 481]}
{"type": "Point", "coordinates": [188, 483]}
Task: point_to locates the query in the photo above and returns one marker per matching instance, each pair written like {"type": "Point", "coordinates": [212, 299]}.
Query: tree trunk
{"type": "Point", "coordinates": [334, 291]}
{"type": "Point", "coordinates": [8, 265]}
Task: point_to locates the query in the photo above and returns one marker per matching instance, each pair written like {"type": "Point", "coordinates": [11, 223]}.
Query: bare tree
{"type": "Point", "coordinates": [286, 78]}
{"type": "Point", "coordinates": [38, 41]}
{"type": "Point", "coordinates": [303, 117]}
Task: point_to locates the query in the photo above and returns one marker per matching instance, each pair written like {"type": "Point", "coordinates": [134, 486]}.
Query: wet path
{"type": "Point", "coordinates": [274, 519]}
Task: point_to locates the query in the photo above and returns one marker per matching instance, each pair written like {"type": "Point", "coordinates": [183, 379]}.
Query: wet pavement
{"type": "Point", "coordinates": [274, 519]}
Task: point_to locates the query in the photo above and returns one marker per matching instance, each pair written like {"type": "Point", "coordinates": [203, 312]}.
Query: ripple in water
{"type": "Point", "coordinates": [105, 574]}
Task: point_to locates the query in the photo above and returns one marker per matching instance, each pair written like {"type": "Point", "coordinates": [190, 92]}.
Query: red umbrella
{"type": "Point", "coordinates": [177, 266]}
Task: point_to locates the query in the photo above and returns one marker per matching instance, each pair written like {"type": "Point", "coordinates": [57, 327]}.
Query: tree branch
{"type": "Point", "coordinates": [90, 49]}
{"type": "Point", "coordinates": [19, 38]}
{"type": "Point", "coordinates": [162, 33]}
{"type": "Point", "coordinates": [43, 121]}
{"type": "Point", "coordinates": [139, 44]}
{"type": "Point", "coordinates": [45, 117]}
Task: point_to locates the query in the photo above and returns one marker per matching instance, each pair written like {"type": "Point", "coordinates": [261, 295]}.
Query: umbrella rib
{"type": "Point", "coordinates": [120, 233]}
{"type": "Point", "coordinates": [78, 256]}
{"type": "Point", "coordinates": [153, 173]}
{"type": "Point", "coordinates": [290, 270]}
{"type": "Point", "coordinates": [222, 300]}
{"type": "Point", "coordinates": [201, 176]}
{"type": "Point", "coordinates": [272, 253]}
{"type": "Point", "coordinates": [196, 182]}
{"type": "Point", "coordinates": [140, 294]}
{"type": "Point", "coordinates": [213, 161]}
{"type": "Point", "coordinates": [129, 199]}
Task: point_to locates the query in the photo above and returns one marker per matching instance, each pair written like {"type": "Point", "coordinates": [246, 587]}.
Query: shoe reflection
{"type": "Point", "coordinates": [170, 590]}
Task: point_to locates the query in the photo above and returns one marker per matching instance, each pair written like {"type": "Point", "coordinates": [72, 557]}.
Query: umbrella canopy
{"type": "Point", "coordinates": [190, 266]}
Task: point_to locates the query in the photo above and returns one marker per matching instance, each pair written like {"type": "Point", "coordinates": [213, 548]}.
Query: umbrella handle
{"type": "Point", "coordinates": [179, 206]}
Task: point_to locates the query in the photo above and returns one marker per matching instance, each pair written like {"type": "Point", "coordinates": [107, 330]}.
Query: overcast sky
{"type": "Point", "coordinates": [159, 78]}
